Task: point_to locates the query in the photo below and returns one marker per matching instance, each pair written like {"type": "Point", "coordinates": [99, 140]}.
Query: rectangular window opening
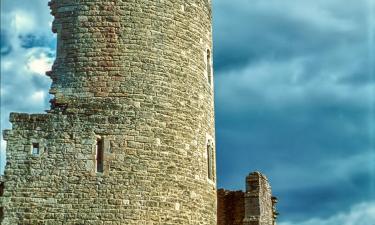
{"type": "Point", "coordinates": [2, 186]}
{"type": "Point", "coordinates": [36, 149]}
{"type": "Point", "coordinates": [1, 214]}
{"type": "Point", "coordinates": [209, 162]}
{"type": "Point", "coordinates": [99, 156]}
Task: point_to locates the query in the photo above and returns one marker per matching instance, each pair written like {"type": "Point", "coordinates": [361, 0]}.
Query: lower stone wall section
{"type": "Point", "coordinates": [149, 177]}
{"type": "Point", "coordinates": [231, 207]}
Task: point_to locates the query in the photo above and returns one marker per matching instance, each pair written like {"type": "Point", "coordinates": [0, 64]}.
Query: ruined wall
{"type": "Point", "coordinates": [231, 207]}
{"type": "Point", "coordinates": [259, 203]}
{"type": "Point", "coordinates": [137, 76]}
{"type": "Point", "coordinates": [256, 206]}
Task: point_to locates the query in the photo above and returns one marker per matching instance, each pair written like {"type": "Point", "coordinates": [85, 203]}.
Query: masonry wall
{"type": "Point", "coordinates": [136, 75]}
{"type": "Point", "coordinates": [256, 206]}
{"type": "Point", "coordinates": [231, 207]}
{"type": "Point", "coordinates": [2, 186]}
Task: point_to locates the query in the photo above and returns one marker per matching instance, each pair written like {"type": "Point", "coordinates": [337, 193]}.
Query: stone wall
{"type": "Point", "coordinates": [137, 76]}
{"type": "Point", "coordinates": [2, 186]}
{"type": "Point", "coordinates": [259, 203]}
{"type": "Point", "coordinates": [256, 206]}
{"type": "Point", "coordinates": [230, 208]}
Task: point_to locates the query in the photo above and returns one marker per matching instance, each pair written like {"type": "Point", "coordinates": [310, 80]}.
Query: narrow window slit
{"type": "Point", "coordinates": [210, 161]}
{"type": "Point", "coordinates": [99, 156]}
{"type": "Point", "coordinates": [209, 73]}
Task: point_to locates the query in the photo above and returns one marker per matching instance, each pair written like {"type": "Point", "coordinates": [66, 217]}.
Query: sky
{"type": "Point", "coordinates": [294, 97]}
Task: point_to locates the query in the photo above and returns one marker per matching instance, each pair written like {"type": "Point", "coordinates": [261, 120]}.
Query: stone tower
{"type": "Point", "coordinates": [130, 137]}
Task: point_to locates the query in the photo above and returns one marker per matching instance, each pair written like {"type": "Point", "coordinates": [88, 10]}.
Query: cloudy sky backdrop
{"type": "Point", "coordinates": [295, 96]}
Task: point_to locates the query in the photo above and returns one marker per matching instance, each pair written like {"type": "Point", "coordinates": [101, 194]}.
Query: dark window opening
{"type": "Point", "coordinates": [2, 189]}
{"type": "Point", "coordinates": [1, 214]}
{"type": "Point", "coordinates": [210, 162]}
{"type": "Point", "coordinates": [36, 149]}
{"type": "Point", "coordinates": [209, 73]}
{"type": "Point", "coordinates": [99, 156]}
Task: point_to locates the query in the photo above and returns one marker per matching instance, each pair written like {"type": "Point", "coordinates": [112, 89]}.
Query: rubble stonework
{"type": "Point", "coordinates": [259, 202]}
{"type": "Point", "coordinates": [230, 207]}
{"type": "Point", "coordinates": [1, 199]}
{"type": "Point", "coordinates": [134, 76]}
{"type": "Point", "coordinates": [256, 206]}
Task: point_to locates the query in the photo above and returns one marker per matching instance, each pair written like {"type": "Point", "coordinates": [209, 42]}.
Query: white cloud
{"type": "Point", "coordinates": [38, 97]}
{"type": "Point", "coordinates": [2, 155]}
{"type": "Point", "coordinates": [39, 64]}
{"type": "Point", "coordinates": [361, 214]}
{"type": "Point", "coordinates": [22, 22]}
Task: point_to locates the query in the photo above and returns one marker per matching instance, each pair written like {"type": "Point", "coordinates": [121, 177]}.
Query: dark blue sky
{"type": "Point", "coordinates": [295, 96]}
{"type": "Point", "coordinates": [295, 99]}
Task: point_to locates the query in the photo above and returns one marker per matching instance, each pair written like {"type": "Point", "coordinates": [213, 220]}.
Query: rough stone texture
{"type": "Point", "coordinates": [1, 202]}
{"type": "Point", "coordinates": [256, 206]}
{"type": "Point", "coordinates": [230, 208]}
{"type": "Point", "coordinates": [133, 73]}
{"type": "Point", "coordinates": [259, 203]}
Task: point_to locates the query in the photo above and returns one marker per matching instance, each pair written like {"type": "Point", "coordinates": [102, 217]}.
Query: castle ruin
{"type": "Point", "coordinates": [130, 135]}
{"type": "Point", "coordinates": [256, 206]}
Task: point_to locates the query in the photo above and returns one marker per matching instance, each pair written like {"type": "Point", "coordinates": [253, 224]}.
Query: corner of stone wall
{"type": "Point", "coordinates": [259, 203]}
{"type": "Point", "coordinates": [256, 206]}
{"type": "Point", "coordinates": [25, 128]}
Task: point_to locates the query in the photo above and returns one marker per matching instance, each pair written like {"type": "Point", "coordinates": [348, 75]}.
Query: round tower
{"type": "Point", "coordinates": [134, 80]}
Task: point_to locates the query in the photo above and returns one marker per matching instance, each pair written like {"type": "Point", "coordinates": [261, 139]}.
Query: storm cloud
{"type": "Point", "coordinates": [295, 99]}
